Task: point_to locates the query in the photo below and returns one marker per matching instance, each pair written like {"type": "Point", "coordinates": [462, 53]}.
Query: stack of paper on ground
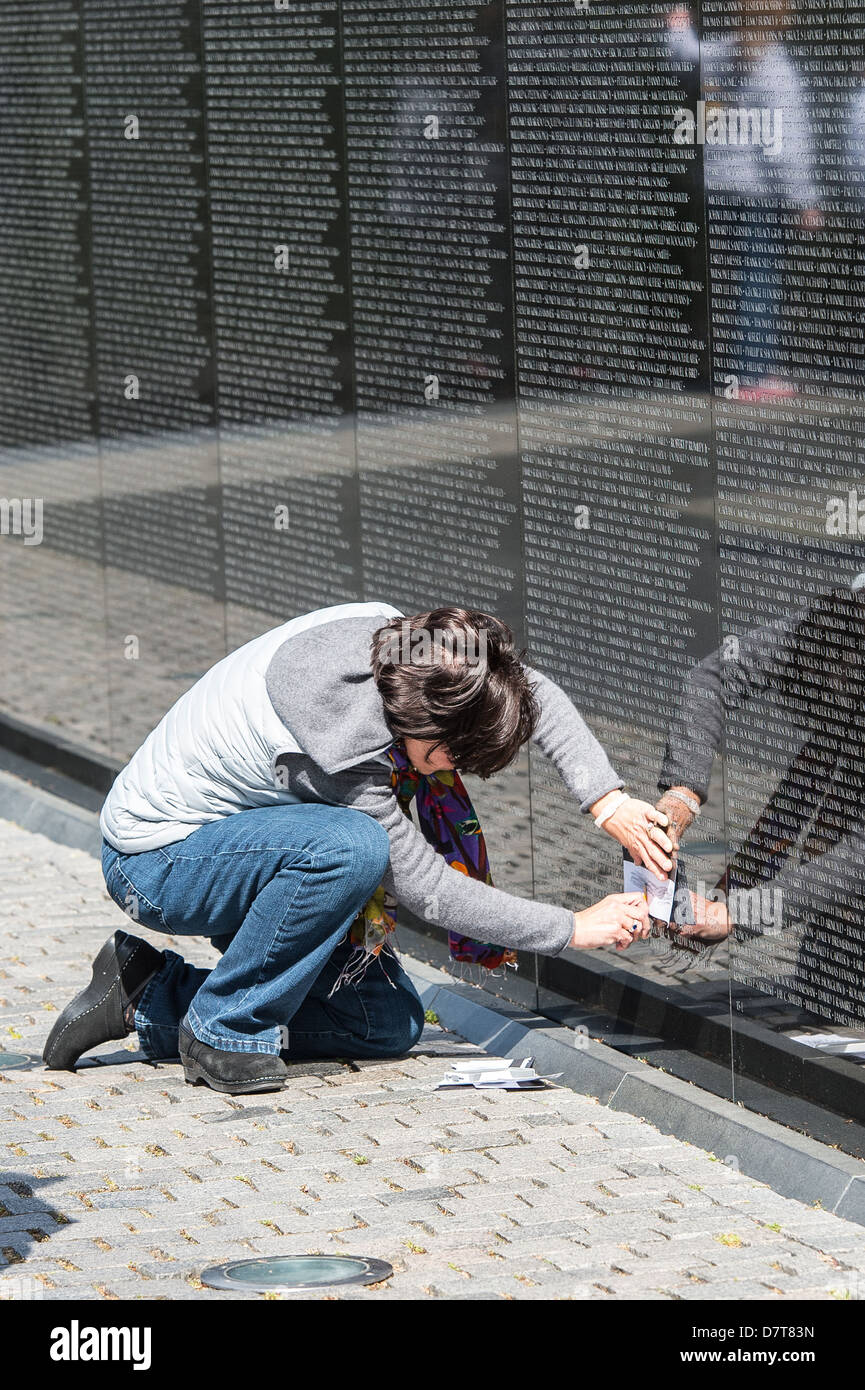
{"type": "Point", "coordinates": [495, 1072]}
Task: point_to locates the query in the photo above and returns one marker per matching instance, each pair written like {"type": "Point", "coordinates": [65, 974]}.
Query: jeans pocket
{"type": "Point", "coordinates": [135, 903]}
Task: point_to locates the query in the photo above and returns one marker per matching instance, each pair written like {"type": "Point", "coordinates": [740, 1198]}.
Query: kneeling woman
{"type": "Point", "coordinates": [270, 810]}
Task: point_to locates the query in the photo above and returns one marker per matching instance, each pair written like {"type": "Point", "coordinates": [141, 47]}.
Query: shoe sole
{"type": "Point", "coordinates": [195, 1075]}
{"type": "Point", "coordinates": [89, 999]}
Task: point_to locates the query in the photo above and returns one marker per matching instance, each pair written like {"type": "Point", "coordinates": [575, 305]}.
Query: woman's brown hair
{"type": "Point", "coordinates": [453, 677]}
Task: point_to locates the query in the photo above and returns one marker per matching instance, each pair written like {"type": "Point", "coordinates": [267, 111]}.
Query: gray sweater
{"type": "Point", "coordinates": [295, 715]}
{"type": "Point", "coordinates": [320, 684]}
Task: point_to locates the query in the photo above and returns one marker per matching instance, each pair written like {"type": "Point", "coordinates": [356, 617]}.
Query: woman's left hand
{"type": "Point", "coordinates": [641, 828]}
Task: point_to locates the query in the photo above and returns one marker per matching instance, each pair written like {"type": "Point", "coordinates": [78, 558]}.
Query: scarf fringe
{"type": "Point", "coordinates": [359, 962]}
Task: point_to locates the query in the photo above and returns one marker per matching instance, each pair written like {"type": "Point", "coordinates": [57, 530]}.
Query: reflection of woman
{"type": "Point", "coordinates": [269, 811]}
{"type": "Point", "coordinates": [750, 183]}
{"type": "Point", "coordinates": [808, 842]}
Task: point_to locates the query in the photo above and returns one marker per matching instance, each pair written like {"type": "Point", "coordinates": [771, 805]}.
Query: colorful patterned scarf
{"type": "Point", "coordinates": [448, 822]}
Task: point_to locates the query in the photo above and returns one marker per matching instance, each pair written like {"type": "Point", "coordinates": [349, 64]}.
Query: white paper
{"type": "Point", "coordinates": [658, 892]}
{"type": "Point", "coordinates": [493, 1073]}
{"type": "Point", "coordinates": [483, 1064]}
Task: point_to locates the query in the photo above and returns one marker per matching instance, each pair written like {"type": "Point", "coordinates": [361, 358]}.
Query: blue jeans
{"type": "Point", "coordinates": [276, 890]}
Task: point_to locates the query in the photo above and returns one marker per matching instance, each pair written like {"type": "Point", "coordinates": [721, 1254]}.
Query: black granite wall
{"type": "Point", "coordinates": [552, 309]}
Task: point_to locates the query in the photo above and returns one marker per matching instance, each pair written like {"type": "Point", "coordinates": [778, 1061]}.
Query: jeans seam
{"type": "Point", "coordinates": [303, 856]}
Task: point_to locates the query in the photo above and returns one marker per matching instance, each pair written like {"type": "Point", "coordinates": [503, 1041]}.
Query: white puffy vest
{"type": "Point", "coordinates": [214, 752]}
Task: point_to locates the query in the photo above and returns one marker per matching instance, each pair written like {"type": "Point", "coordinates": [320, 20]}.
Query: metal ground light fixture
{"type": "Point", "coordinates": [295, 1273]}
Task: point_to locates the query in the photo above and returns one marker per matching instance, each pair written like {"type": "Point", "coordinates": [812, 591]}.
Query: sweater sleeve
{"type": "Point", "coordinates": [421, 879]}
{"type": "Point", "coordinates": [566, 739]}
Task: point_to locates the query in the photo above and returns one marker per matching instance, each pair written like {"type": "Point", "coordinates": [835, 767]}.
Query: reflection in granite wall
{"type": "Point", "coordinates": [549, 307]}
{"type": "Point", "coordinates": [786, 230]}
{"type": "Point", "coordinates": [53, 635]}
{"type": "Point", "coordinates": [153, 354]}
{"type": "Point", "coordinates": [282, 311]}
{"type": "Point", "coordinates": [432, 313]}
{"type": "Point", "coordinates": [618, 480]}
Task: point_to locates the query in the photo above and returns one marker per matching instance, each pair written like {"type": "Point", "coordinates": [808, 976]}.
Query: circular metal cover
{"type": "Point", "coordinates": [288, 1273]}
{"type": "Point", "coordinates": [8, 1060]}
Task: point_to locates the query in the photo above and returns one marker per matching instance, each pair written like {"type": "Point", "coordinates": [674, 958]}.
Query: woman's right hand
{"type": "Point", "coordinates": [609, 922]}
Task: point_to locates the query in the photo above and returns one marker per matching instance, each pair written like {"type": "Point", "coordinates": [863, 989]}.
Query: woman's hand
{"type": "Point", "coordinates": [609, 922]}
{"type": "Point", "coordinates": [638, 826]}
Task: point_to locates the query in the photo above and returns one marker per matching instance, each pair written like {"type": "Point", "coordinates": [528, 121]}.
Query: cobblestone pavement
{"type": "Point", "coordinates": [120, 1181]}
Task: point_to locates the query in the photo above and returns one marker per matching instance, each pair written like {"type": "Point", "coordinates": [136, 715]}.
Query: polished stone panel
{"type": "Point", "coordinates": [548, 308]}
{"type": "Point", "coordinates": [431, 285]}
{"type": "Point", "coordinates": [282, 310]}
{"type": "Point", "coordinates": [51, 572]}
{"type": "Point", "coordinates": [153, 355]}
{"type": "Point", "coordinates": [614, 422]}
{"type": "Point", "coordinates": [785, 220]}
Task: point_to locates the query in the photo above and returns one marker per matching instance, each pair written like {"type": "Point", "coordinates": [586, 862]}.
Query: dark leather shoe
{"type": "Point", "coordinates": [120, 972]}
{"type": "Point", "coordinates": [236, 1073]}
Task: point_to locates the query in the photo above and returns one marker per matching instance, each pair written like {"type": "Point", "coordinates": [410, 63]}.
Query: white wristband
{"type": "Point", "coordinates": [611, 809]}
